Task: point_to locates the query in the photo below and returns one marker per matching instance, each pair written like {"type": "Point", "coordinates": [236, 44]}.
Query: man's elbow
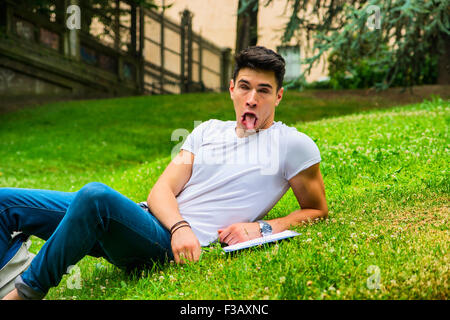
{"type": "Point", "coordinates": [153, 192]}
{"type": "Point", "coordinates": [159, 191]}
{"type": "Point", "coordinates": [324, 213]}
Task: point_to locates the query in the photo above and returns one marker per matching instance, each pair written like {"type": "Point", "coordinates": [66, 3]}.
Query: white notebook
{"type": "Point", "coordinates": [261, 240]}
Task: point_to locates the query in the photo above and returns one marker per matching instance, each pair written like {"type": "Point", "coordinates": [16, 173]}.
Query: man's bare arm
{"type": "Point", "coordinates": [309, 189]}
{"type": "Point", "coordinates": [164, 206]}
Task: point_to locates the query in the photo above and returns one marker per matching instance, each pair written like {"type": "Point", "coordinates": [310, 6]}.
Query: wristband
{"type": "Point", "coordinates": [177, 224]}
{"type": "Point", "coordinates": [184, 225]}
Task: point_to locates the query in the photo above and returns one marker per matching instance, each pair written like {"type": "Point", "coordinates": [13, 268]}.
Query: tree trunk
{"type": "Point", "coordinates": [444, 61]}
{"type": "Point", "coordinates": [247, 25]}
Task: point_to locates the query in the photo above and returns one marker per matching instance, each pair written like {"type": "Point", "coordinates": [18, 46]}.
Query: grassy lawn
{"type": "Point", "coordinates": [385, 173]}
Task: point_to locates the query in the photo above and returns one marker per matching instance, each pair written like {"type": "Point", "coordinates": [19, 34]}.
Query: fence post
{"type": "Point", "coordinates": [225, 66]}
{"type": "Point", "coordinates": [133, 29]}
{"type": "Point", "coordinates": [6, 18]}
{"type": "Point", "coordinates": [189, 44]}
{"type": "Point", "coordinates": [71, 36]}
{"type": "Point", "coordinates": [182, 61]}
{"type": "Point", "coordinates": [116, 25]}
{"type": "Point", "coordinates": [161, 75]}
{"type": "Point", "coordinates": [200, 62]}
{"type": "Point", "coordinates": [141, 48]}
{"type": "Point", "coordinates": [60, 10]}
{"type": "Point", "coordinates": [117, 40]}
{"type": "Point", "coordinates": [186, 36]}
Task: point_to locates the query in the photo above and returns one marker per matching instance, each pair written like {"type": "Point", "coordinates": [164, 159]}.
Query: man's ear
{"type": "Point", "coordinates": [231, 89]}
{"type": "Point", "coordinates": [231, 86]}
{"type": "Point", "coordinates": [279, 96]}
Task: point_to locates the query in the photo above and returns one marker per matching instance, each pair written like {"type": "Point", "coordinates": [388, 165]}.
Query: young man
{"type": "Point", "coordinates": [226, 178]}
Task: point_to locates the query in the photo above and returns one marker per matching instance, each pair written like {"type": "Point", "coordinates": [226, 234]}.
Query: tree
{"type": "Point", "coordinates": [247, 24]}
{"type": "Point", "coordinates": [107, 12]}
{"type": "Point", "coordinates": [402, 35]}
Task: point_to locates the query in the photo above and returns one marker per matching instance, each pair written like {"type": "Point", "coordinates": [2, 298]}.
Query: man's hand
{"type": "Point", "coordinates": [185, 245]}
{"type": "Point", "coordinates": [239, 232]}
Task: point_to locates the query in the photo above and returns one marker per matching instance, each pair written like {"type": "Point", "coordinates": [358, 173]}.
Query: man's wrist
{"type": "Point", "coordinates": [265, 229]}
{"type": "Point", "coordinates": [180, 224]}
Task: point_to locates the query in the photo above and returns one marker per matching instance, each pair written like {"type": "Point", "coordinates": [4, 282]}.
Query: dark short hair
{"type": "Point", "coordinates": [258, 57]}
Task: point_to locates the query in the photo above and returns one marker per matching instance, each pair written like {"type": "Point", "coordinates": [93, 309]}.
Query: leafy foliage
{"type": "Point", "coordinates": [104, 10]}
{"type": "Point", "coordinates": [47, 7]}
{"type": "Point", "coordinates": [352, 69]}
{"type": "Point", "coordinates": [410, 33]}
{"type": "Point", "coordinates": [107, 12]}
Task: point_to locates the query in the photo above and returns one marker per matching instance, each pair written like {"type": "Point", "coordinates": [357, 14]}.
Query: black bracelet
{"type": "Point", "coordinates": [184, 225]}
{"type": "Point", "coordinates": [177, 224]}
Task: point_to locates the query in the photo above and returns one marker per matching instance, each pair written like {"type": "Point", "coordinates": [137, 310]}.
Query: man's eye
{"type": "Point", "coordinates": [244, 87]}
{"type": "Point", "coordinates": [264, 91]}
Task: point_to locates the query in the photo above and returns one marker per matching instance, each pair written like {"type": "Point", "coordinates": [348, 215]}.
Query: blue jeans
{"type": "Point", "coordinates": [96, 221]}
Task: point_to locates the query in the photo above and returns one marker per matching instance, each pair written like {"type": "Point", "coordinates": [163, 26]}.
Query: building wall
{"type": "Point", "coordinates": [216, 21]}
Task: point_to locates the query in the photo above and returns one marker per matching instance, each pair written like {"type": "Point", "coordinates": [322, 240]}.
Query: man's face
{"type": "Point", "coordinates": [255, 97]}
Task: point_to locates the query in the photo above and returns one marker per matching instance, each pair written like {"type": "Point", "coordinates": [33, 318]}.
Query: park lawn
{"type": "Point", "coordinates": [385, 174]}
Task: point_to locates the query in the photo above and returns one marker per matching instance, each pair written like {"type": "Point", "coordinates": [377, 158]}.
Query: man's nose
{"type": "Point", "coordinates": [251, 100]}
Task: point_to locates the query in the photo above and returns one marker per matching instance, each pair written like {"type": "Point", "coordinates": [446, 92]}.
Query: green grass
{"type": "Point", "coordinates": [385, 174]}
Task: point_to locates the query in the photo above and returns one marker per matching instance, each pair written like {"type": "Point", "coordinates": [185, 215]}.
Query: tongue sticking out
{"type": "Point", "coordinates": [249, 121]}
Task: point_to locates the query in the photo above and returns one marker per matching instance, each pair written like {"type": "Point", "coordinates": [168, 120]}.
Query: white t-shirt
{"type": "Point", "coordinates": [239, 179]}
